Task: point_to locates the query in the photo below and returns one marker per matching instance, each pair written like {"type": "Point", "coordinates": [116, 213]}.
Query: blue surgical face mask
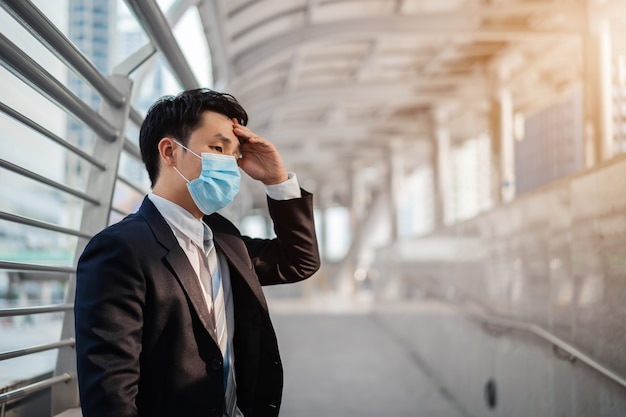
{"type": "Point", "coordinates": [218, 183]}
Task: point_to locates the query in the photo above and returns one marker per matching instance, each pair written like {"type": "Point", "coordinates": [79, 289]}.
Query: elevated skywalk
{"type": "Point", "coordinates": [348, 362]}
{"type": "Point", "coordinates": [404, 115]}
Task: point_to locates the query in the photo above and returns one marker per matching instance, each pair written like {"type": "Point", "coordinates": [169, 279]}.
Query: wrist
{"type": "Point", "coordinates": [277, 180]}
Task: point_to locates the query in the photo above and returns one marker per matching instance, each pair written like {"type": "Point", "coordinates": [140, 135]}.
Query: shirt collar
{"type": "Point", "coordinates": [180, 219]}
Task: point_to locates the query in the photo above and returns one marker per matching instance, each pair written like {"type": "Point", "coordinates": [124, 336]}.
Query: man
{"type": "Point", "coordinates": [170, 315]}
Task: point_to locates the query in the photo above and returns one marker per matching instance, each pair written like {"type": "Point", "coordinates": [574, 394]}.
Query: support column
{"type": "Point", "coordinates": [356, 207]}
{"type": "Point", "coordinates": [598, 92]}
{"type": "Point", "coordinates": [507, 143]}
{"type": "Point", "coordinates": [355, 198]}
{"type": "Point", "coordinates": [620, 137]}
{"type": "Point", "coordinates": [395, 176]}
{"type": "Point", "coordinates": [440, 162]}
{"type": "Point", "coordinates": [95, 218]}
{"type": "Point", "coordinates": [324, 200]}
{"type": "Point", "coordinates": [503, 140]}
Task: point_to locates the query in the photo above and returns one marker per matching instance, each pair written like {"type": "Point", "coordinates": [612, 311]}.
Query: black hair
{"type": "Point", "coordinates": [177, 117]}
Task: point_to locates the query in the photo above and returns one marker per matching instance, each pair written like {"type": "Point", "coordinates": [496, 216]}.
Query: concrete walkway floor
{"type": "Point", "coordinates": [348, 364]}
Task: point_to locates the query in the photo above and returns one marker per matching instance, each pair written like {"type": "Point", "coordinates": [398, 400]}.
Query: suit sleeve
{"type": "Point", "coordinates": [109, 320]}
{"type": "Point", "coordinates": [293, 255]}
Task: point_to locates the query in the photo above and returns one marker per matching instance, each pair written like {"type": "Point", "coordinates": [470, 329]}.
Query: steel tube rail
{"type": "Point", "coordinates": [141, 55]}
{"type": "Point", "coordinates": [45, 132]}
{"type": "Point", "coordinates": [135, 116]}
{"type": "Point", "coordinates": [29, 71]}
{"type": "Point", "coordinates": [538, 331]}
{"type": "Point", "coordinates": [135, 60]}
{"type": "Point", "coordinates": [33, 388]}
{"type": "Point", "coordinates": [49, 35]}
{"type": "Point", "coordinates": [119, 211]}
{"type": "Point", "coordinates": [29, 174]}
{"type": "Point", "coordinates": [550, 338]}
{"type": "Point", "coordinates": [132, 149]}
{"type": "Point", "coordinates": [71, 342]}
{"type": "Point", "coordinates": [158, 29]}
{"type": "Point", "coordinates": [41, 225]}
{"type": "Point", "coordinates": [25, 311]}
{"type": "Point", "coordinates": [14, 266]}
{"type": "Point", "coordinates": [131, 185]}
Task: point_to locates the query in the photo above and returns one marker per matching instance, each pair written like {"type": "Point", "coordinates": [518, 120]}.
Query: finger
{"type": "Point", "coordinates": [242, 133]}
{"type": "Point", "coordinates": [256, 139]}
{"type": "Point", "coordinates": [255, 142]}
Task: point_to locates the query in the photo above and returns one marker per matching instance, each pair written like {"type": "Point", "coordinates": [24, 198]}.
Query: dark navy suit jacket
{"type": "Point", "coordinates": [144, 340]}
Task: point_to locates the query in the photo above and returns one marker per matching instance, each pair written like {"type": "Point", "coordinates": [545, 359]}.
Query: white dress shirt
{"type": "Point", "coordinates": [189, 232]}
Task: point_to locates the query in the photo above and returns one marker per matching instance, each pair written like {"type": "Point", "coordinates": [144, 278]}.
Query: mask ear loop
{"type": "Point", "coordinates": [176, 169]}
{"type": "Point", "coordinates": [181, 175]}
{"type": "Point", "coordinates": [183, 146]}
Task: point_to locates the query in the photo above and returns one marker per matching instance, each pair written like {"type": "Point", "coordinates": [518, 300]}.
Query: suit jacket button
{"type": "Point", "coordinates": [216, 364]}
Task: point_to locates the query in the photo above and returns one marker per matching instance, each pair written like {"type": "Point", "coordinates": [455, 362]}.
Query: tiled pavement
{"type": "Point", "coordinates": [347, 363]}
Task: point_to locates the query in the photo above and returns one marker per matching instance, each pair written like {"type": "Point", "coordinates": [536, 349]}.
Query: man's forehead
{"type": "Point", "coordinates": [216, 116]}
{"type": "Point", "coordinates": [220, 124]}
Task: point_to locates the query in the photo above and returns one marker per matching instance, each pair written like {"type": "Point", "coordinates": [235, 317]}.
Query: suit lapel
{"type": "Point", "coordinates": [189, 281]}
{"type": "Point", "coordinates": [242, 265]}
{"type": "Point", "coordinates": [179, 264]}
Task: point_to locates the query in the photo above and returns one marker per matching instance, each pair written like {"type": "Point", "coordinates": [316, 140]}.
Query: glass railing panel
{"type": "Point", "coordinates": [90, 40]}
{"type": "Point", "coordinates": [25, 100]}
{"type": "Point", "coordinates": [129, 34]}
{"type": "Point", "coordinates": [132, 132]}
{"type": "Point", "coordinates": [134, 171]}
{"type": "Point", "coordinates": [131, 187]}
{"type": "Point", "coordinates": [152, 81]}
{"type": "Point", "coordinates": [25, 331]}
{"type": "Point", "coordinates": [25, 244]}
{"type": "Point", "coordinates": [31, 46]}
{"type": "Point", "coordinates": [190, 36]}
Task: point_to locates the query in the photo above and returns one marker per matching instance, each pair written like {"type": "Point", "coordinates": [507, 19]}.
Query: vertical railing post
{"type": "Point", "coordinates": [94, 219]}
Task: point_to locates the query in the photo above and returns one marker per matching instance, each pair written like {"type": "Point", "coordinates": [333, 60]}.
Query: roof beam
{"type": "Point", "coordinates": [357, 132]}
{"type": "Point", "coordinates": [368, 61]}
{"type": "Point", "coordinates": [457, 24]}
{"type": "Point", "coordinates": [294, 69]}
{"type": "Point", "coordinates": [426, 89]}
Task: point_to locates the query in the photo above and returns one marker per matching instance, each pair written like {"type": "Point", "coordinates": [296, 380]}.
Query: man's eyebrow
{"type": "Point", "coordinates": [222, 138]}
{"type": "Point", "coordinates": [227, 140]}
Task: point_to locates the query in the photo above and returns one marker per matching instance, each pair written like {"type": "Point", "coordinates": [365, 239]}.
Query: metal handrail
{"type": "Point", "coordinates": [41, 225]}
{"type": "Point", "coordinates": [26, 311]}
{"type": "Point", "coordinates": [135, 116]}
{"type": "Point", "coordinates": [135, 60]}
{"type": "Point", "coordinates": [71, 342]}
{"type": "Point", "coordinates": [40, 178]}
{"type": "Point", "coordinates": [45, 132]}
{"type": "Point", "coordinates": [158, 29]}
{"type": "Point", "coordinates": [49, 35]}
{"type": "Point", "coordinates": [119, 211]}
{"type": "Point", "coordinates": [130, 185]}
{"type": "Point", "coordinates": [575, 353]}
{"type": "Point", "coordinates": [132, 149]}
{"type": "Point", "coordinates": [33, 74]}
{"type": "Point", "coordinates": [107, 126]}
{"type": "Point", "coordinates": [32, 388]}
{"type": "Point", "coordinates": [14, 266]}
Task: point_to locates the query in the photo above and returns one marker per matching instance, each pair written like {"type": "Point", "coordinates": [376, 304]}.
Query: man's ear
{"type": "Point", "coordinates": [166, 148]}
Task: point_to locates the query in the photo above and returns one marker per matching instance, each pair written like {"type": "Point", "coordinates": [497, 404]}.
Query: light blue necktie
{"type": "Point", "coordinates": [221, 329]}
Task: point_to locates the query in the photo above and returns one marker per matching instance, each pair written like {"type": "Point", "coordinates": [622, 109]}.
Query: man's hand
{"type": "Point", "coordinates": [259, 157]}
